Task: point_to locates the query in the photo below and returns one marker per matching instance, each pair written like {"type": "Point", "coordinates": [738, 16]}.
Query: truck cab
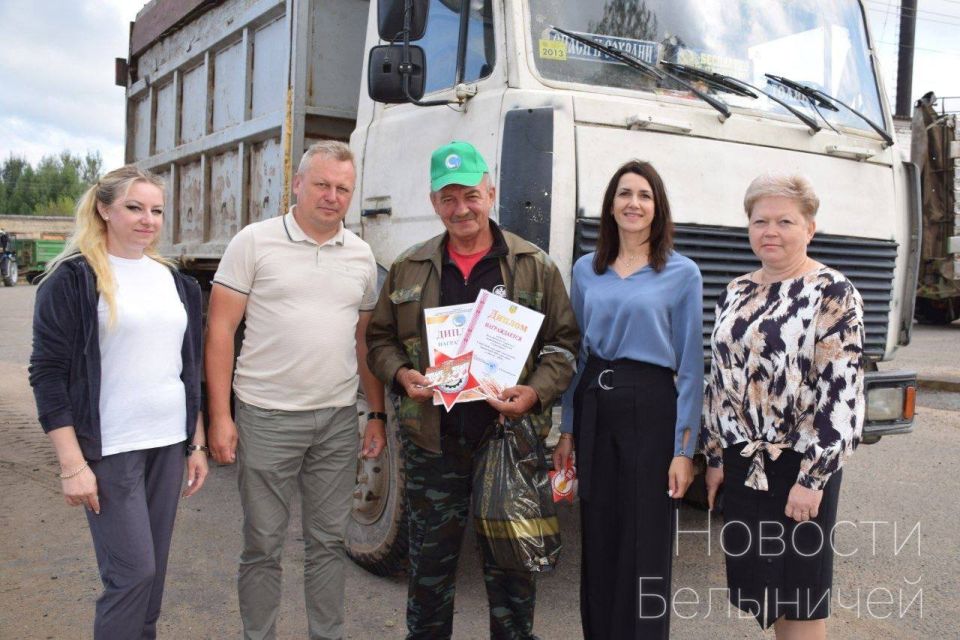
{"type": "Point", "coordinates": [712, 93]}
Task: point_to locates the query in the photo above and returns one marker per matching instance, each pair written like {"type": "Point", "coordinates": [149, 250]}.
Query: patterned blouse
{"type": "Point", "coordinates": [787, 372]}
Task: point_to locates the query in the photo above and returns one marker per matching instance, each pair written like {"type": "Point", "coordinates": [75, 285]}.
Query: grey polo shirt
{"type": "Point", "coordinates": [303, 304]}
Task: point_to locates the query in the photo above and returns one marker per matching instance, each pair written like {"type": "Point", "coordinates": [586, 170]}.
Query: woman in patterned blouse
{"type": "Point", "coordinates": [783, 409]}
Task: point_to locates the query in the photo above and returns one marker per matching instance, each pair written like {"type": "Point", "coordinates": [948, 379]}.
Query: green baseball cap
{"type": "Point", "coordinates": [456, 163]}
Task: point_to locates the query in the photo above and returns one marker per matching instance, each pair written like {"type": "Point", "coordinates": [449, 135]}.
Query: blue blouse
{"type": "Point", "coordinates": [649, 317]}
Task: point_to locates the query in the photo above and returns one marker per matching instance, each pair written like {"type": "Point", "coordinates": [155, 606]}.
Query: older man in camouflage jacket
{"type": "Point", "coordinates": [441, 447]}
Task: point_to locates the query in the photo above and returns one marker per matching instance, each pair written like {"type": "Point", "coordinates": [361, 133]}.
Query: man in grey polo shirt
{"type": "Point", "coordinates": [305, 286]}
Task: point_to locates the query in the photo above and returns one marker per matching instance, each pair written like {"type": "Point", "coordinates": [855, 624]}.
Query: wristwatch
{"type": "Point", "coordinates": [198, 447]}
{"type": "Point", "coordinates": [376, 415]}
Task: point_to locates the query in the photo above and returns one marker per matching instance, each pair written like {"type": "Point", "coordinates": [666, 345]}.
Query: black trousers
{"type": "Point", "coordinates": [624, 438]}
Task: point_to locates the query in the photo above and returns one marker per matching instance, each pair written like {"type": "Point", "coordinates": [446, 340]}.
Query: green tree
{"type": "Point", "coordinates": [626, 19]}
{"type": "Point", "coordinates": [10, 174]}
{"type": "Point", "coordinates": [23, 193]}
{"type": "Point", "coordinates": [92, 168]}
{"type": "Point", "coordinates": [50, 188]}
{"type": "Point", "coordinates": [62, 206]}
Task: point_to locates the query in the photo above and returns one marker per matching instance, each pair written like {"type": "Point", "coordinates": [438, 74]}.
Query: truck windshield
{"type": "Point", "coordinates": [819, 43]}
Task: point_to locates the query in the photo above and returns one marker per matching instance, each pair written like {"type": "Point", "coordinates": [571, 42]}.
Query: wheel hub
{"type": "Point", "coordinates": [372, 489]}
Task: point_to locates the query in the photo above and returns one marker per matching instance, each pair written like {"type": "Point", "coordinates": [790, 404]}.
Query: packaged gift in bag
{"type": "Point", "coordinates": [513, 509]}
{"type": "Point", "coordinates": [564, 483]}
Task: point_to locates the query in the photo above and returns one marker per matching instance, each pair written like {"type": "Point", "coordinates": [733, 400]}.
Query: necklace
{"type": "Point", "coordinates": [630, 260]}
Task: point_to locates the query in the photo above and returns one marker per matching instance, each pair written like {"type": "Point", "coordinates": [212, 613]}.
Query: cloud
{"type": "Point", "coordinates": [33, 141]}
{"type": "Point", "coordinates": [936, 55]}
{"type": "Point", "coordinates": [57, 66]}
{"type": "Point", "coordinates": [57, 70]}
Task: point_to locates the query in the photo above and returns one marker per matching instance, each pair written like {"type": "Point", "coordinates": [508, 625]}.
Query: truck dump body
{"type": "Point", "coordinates": [221, 95]}
{"type": "Point", "coordinates": [936, 149]}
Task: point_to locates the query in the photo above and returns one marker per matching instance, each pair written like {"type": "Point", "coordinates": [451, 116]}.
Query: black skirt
{"type": "Point", "coordinates": [775, 565]}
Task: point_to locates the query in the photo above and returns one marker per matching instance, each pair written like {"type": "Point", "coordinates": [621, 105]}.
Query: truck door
{"type": "Point", "coordinates": [394, 193]}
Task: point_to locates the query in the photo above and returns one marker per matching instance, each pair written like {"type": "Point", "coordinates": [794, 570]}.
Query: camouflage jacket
{"type": "Point", "coordinates": [396, 333]}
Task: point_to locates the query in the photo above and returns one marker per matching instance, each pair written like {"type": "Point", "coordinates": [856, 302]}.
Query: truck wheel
{"type": "Point", "coordinates": [377, 530]}
{"type": "Point", "coordinates": [10, 277]}
{"type": "Point", "coordinates": [696, 495]}
{"type": "Point", "coordinates": [929, 311]}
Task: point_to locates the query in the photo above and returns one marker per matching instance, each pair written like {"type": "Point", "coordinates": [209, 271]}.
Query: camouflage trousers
{"type": "Point", "coordinates": [438, 489]}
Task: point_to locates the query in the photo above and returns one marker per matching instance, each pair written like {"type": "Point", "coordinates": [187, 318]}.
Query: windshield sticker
{"type": "Point", "coordinates": [643, 50]}
{"type": "Point", "coordinates": [712, 62]}
{"type": "Point", "coordinates": [553, 49]}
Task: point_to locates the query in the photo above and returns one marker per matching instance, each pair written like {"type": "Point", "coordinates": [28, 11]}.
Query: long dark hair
{"type": "Point", "coordinates": [661, 230]}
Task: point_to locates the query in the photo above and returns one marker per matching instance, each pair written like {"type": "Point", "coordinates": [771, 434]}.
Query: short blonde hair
{"type": "Point", "coordinates": [333, 149]}
{"type": "Point", "coordinates": [793, 186]}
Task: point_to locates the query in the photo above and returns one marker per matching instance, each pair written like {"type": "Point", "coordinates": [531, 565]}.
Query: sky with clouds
{"type": "Point", "coordinates": [56, 76]}
{"type": "Point", "coordinates": [57, 69]}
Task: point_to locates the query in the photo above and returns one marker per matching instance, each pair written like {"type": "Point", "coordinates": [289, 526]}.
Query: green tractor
{"type": "Point", "coordinates": [33, 256]}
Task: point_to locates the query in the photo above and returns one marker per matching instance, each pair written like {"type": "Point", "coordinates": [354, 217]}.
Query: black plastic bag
{"type": "Point", "coordinates": [513, 509]}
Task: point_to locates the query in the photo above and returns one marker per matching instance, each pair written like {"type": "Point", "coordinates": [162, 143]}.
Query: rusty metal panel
{"type": "Point", "coordinates": [336, 59]}
{"type": "Point", "coordinates": [229, 75]}
{"type": "Point", "coordinates": [166, 234]}
{"type": "Point", "coordinates": [225, 185]}
{"type": "Point", "coordinates": [266, 179]}
{"type": "Point", "coordinates": [193, 104]}
{"type": "Point", "coordinates": [166, 117]}
{"type": "Point", "coordinates": [190, 203]}
{"type": "Point", "coordinates": [141, 127]}
{"type": "Point", "coordinates": [209, 96]}
{"type": "Point", "coordinates": [158, 18]}
{"type": "Point", "coordinates": [185, 46]}
{"type": "Point", "coordinates": [270, 56]}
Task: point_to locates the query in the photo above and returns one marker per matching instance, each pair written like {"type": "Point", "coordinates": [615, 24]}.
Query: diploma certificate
{"type": "Point", "coordinates": [445, 328]}
{"type": "Point", "coordinates": [500, 334]}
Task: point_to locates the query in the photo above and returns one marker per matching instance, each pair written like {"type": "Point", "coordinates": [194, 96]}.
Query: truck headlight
{"type": "Point", "coordinates": [890, 403]}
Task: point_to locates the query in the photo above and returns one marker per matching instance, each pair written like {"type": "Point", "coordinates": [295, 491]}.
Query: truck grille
{"type": "Point", "coordinates": [723, 253]}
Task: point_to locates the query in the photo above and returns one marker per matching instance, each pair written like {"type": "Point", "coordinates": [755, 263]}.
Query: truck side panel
{"type": "Point", "coordinates": [221, 104]}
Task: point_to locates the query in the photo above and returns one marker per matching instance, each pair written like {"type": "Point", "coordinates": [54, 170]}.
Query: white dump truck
{"type": "Point", "coordinates": [224, 96]}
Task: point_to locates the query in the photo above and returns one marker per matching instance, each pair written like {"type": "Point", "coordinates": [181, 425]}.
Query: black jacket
{"type": "Point", "coordinates": [65, 363]}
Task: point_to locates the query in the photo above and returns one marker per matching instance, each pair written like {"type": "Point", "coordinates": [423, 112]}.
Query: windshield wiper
{"type": "Point", "coordinates": [718, 80]}
{"type": "Point", "coordinates": [829, 101]}
{"type": "Point", "coordinates": [635, 63]}
{"type": "Point", "coordinates": [741, 88]}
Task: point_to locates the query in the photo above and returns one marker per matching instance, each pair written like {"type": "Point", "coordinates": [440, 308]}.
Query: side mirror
{"type": "Point", "coordinates": [386, 71]}
{"type": "Point", "coordinates": [390, 18]}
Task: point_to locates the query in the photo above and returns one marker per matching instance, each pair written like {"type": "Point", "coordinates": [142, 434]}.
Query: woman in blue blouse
{"type": "Point", "coordinates": [640, 309]}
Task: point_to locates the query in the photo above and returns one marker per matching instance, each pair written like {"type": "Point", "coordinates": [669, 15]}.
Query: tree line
{"type": "Point", "coordinates": [51, 188]}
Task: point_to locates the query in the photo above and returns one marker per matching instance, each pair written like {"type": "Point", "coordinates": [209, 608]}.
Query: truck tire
{"type": "Point", "coordinates": [377, 530]}
{"type": "Point", "coordinates": [929, 311]}
{"type": "Point", "coordinates": [10, 274]}
{"type": "Point", "coordinates": [696, 495]}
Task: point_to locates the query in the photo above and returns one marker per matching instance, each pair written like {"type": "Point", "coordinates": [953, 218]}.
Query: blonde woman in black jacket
{"type": "Point", "coordinates": [115, 371]}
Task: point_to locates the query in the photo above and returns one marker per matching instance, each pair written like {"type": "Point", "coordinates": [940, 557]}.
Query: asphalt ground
{"type": "Point", "coordinates": [934, 354]}
{"type": "Point", "coordinates": [900, 578]}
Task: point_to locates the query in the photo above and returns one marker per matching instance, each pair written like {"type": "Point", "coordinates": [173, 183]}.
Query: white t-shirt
{"type": "Point", "coordinates": [303, 305]}
{"type": "Point", "coordinates": [142, 399]}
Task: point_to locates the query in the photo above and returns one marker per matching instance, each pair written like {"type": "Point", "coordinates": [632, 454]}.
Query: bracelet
{"type": "Point", "coordinates": [198, 447]}
{"type": "Point", "coordinates": [566, 436]}
{"type": "Point", "coordinates": [376, 415]}
{"type": "Point", "coordinates": [72, 474]}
